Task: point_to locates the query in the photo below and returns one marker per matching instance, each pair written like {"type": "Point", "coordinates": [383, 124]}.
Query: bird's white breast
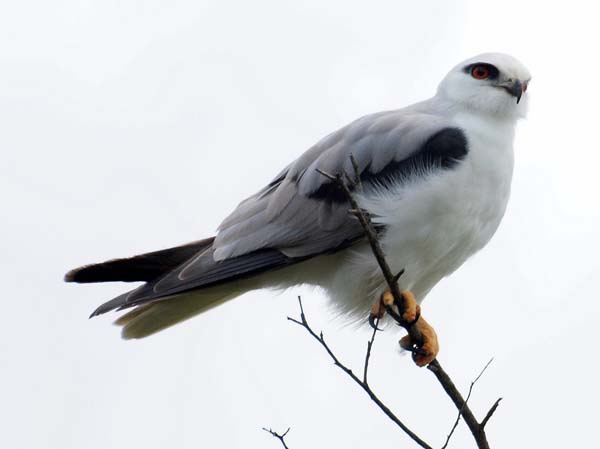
{"type": "Point", "coordinates": [434, 223]}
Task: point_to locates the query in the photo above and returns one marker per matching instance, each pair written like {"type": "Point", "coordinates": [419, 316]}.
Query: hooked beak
{"type": "Point", "coordinates": [515, 88]}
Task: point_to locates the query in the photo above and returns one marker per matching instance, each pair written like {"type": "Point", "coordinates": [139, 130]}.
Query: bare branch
{"type": "Point", "coordinates": [466, 401]}
{"type": "Point", "coordinates": [280, 437]}
{"type": "Point", "coordinates": [357, 180]}
{"type": "Point", "coordinates": [476, 429]}
{"type": "Point", "coordinates": [373, 239]}
{"type": "Point", "coordinates": [490, 412]}
{"type": "Point", "coordinates": [479, 375]}
{"type": "Point", "coordinates": [369, 347]}
{"type": "Point", "coordinates": [363, 384]}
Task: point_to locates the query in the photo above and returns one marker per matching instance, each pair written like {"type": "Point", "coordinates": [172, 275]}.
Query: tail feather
{"type": "Point", "coordinates": [152, 311]}
{"type": "Point", "coordinates": [144, 267]}
{"type": "Point", "coordinates": [127, 317]}
{"type": "Point", "coordinates": [148, 319]}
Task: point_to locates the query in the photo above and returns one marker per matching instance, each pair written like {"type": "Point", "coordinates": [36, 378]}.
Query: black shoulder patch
{"type": "Point", "coordinates": [443, 150]}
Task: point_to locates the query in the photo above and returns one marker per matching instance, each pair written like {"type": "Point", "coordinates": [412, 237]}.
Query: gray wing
{"type": "Point", "coordinates": [301, 213]}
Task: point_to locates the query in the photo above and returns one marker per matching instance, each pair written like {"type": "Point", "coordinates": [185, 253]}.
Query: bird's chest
{"type": "Point", "coordinates": [434, 224]}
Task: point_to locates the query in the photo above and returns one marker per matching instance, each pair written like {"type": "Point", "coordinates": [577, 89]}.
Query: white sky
{"type": "Point", "coordinates": [130, 126]}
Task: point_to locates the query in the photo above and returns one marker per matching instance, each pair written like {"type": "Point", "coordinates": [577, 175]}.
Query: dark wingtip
{"type": "Point", "coordinates": [71, 276]}
{"type": "Point", "coordinates": [81, 274]}
{"type": "Point", "coordinates": [99, 311]}
{"type": "Point", "coordinates": [115, 303]}
{"type": "Point", "coordinates": [109, 271]}
{"type": "Point", "coordinates": [102, 309]}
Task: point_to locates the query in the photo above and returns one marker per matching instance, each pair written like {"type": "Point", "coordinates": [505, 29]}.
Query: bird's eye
{"type": "Point", "coordinates": [480, 72]}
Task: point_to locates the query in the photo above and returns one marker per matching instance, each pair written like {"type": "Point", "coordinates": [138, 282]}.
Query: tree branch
{"type": "Point", "coordinates": [466, 401]}
{"type": "Point", "coordinates": [491, 411]}
{"type": "Point", "coordinates": [362, 383]}
{"type": "Point", "coordinates": [368, 354]}
{"type": "Point", "coordinates": [373, 239]}
{"type": "Point", "coordinates": [280, 437]}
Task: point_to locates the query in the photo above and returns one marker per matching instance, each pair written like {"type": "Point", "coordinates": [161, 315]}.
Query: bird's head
{"type": "Point", "coordinates": [493, 83]}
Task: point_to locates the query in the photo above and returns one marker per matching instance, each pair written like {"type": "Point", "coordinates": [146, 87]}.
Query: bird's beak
{"type": "Point", "coordinates": [515, 88]}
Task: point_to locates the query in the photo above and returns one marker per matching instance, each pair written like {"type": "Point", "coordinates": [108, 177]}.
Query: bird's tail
{"type": "Point", "coordinates": [153, 317]}
{"type": "Point", "coordinates": [144, 267]}
{"type": "Point", "coordinates": [150, 318]}
{"type": "Point", "coordinates": [151, 310]}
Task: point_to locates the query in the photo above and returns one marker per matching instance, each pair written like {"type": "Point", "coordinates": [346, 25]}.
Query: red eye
{"type": "Point", "coordinates": [480, 72]}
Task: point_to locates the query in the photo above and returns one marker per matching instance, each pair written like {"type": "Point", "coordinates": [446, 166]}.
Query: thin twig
{"type": "Point", "coordinates": [490, 412]}
{"type": "Point", "coordinates": [369, 347]}
{"type": "Point", "coordinates": [363, 384]}
{"type": "Point", "coordinates": [280, 437]}
{"type": "Point", "coordinates": [357, 180]}
{"type": "Point", "coordinates": [476, 429]}
{"type": "Point", "coordinates": [466, 401]}
{"type": "Point", "coordinates": [373, 239]}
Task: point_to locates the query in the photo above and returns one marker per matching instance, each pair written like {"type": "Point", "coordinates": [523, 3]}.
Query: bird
{"type": "Point", "coordinates": [434, 177]}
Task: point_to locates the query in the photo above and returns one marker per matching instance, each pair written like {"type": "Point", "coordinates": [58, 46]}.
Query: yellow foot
{"type": "Point", "coordinates": [424, 354]}
{"type": "Point", "coordinates": [411, 308]}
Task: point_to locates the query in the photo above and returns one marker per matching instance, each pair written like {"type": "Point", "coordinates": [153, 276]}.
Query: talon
{"type": "Point", "coordinates": [406, 343]}
{"type": "Point", "coordinates": [377, 312]}
{"type": "Point", "coordinates": [428, 351]}
{"type": "Point", "coordinates": [373, 322]}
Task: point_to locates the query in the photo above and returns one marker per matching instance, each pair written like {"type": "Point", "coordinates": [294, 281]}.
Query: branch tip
{"type": "Point", "coordinates": [489, 414]}
{"type": "Point", "coordinates": [280, 437]}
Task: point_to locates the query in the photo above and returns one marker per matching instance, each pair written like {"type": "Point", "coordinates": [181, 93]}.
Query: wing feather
{"type": "Point", "coordinates": [305, 214]}
{"type": "Point", "coordinates": [301, 214]}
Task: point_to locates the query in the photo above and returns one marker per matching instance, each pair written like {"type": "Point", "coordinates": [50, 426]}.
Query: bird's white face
{"type": "Point", "coordinates": [493, 83]}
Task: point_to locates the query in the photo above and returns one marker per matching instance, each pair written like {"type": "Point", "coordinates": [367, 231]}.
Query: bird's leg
{"type": "Point", "coordinates": [410, 312]}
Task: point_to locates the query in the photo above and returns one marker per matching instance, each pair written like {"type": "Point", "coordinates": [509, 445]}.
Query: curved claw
{"type": "Point", "coordinates": [407, 344]}
{"type": "Point", "coordinates": [373, 323]}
